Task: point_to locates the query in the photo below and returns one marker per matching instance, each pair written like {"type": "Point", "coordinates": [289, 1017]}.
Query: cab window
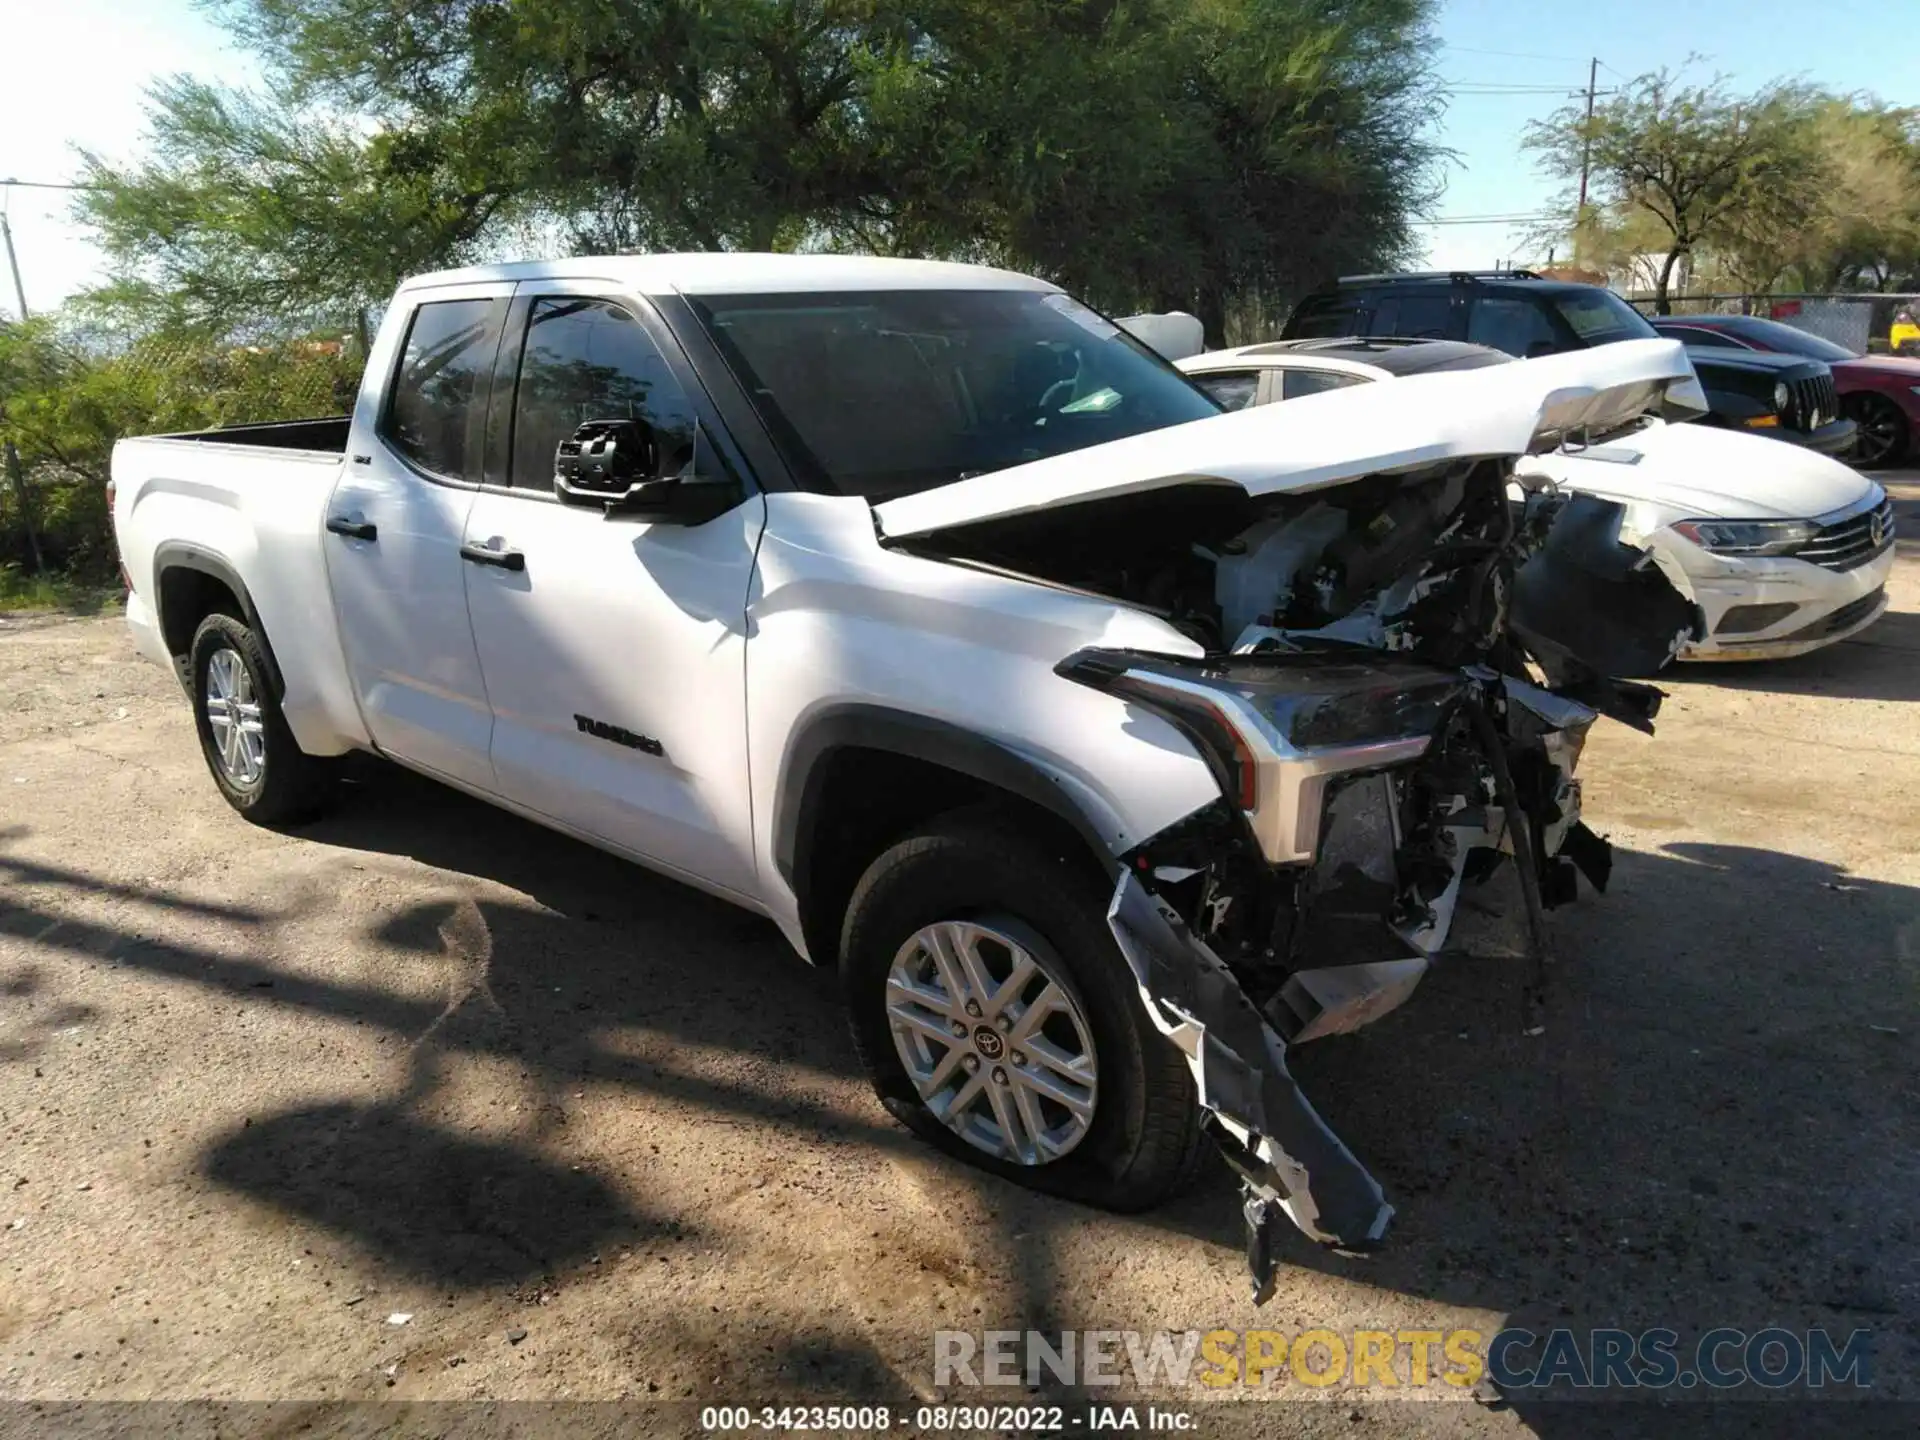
{"type": "Point", "coordinates": [430, 416]}
{"type": "Point", "coordinates": [589, 359]}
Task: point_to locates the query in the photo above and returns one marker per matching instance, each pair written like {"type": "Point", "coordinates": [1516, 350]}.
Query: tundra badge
{"type": "Point", "coordinates": [601, 730]}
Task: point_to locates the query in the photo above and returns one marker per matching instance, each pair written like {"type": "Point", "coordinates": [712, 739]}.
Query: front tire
{"type": "Point", "coordinates": [1884, 433]}
{"type": "Point", "coordinates": [998, 1020]}
{"type": "Point", "coordinates": [250, 752]}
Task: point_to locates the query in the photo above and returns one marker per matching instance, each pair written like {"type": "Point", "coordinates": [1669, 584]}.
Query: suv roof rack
{"type": "Point", "coordinates": [1419, 275]}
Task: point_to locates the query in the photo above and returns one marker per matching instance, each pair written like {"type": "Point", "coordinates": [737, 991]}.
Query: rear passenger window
{"type": "Point", "coordinates": [1234, 389]}
{"type": "Point", "coordinates": [1418, 316]}
{"type": "Point", "coordinates": [1312, 382]}
{"type": "Point", "coordinates": [430, 413]}
{"type": "Point", "coordinates": [1326, 317]}
{"type": "Point", "coordinates": [1519, 327]}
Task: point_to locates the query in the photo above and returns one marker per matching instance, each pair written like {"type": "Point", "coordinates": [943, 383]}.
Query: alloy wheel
{"type": "Point", "coordinates": [994, 1043]}
{"type": "Point", "coordinates": [1881, 428]}
{"type": "Point", "coordinates": [233, 715]}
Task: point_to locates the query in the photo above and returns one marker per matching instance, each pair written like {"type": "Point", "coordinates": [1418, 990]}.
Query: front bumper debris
{"type": "Point", "coordinates": [1292, 1164]}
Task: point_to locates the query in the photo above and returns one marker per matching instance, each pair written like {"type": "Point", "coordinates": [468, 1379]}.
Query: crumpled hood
{"type": "Point", "coordinates": [1334, 437]}
{"type": "Point", "coordinates": [1709, 473]}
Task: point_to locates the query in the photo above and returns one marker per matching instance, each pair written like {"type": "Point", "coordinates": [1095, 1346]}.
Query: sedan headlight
{"type": "Point", "coordinates": [1782, 396]}
{"type": "Point", "coordinates": [1748, 537]}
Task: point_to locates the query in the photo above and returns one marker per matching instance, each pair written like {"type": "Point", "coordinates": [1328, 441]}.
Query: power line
{"type": "Point", "coordinates": [1514, 219]}
{"type": "Point", "coordinates": [46, 184]}
{"type": "Point", "coordinates": [1490, 89]}
{"type": "Point", "coordinates": [1514, 54]}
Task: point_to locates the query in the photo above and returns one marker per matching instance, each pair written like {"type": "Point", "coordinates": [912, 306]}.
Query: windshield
{"type": "Point", "coordinates": [1790, 341]}
{"type": "Point", "coordinates": [884, 393]}
{"type": "Point", "coordinates": [1599, 317]}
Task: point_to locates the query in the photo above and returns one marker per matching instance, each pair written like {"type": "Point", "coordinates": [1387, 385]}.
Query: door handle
{"type": "Point", "coordinates": [353, 529]}
{"type": "Point", "coordinates": [502, 559]}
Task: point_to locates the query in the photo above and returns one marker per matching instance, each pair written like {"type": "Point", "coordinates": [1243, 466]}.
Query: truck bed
{"type": "Point", "coordinates": [325, 435]}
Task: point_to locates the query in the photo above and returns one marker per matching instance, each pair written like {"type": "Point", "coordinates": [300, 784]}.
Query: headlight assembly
{"type": "Point", "coordinates": [1748, 537]}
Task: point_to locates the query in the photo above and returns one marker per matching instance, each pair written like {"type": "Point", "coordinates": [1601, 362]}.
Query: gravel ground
{"type": "Point", "coordinates": [598, 1136]}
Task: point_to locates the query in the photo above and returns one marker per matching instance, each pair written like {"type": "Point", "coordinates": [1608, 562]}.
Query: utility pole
{"type": "Point", "coordinates": [14, 475]}
{"type": "Point", "coordinates": [1586, 154]}
{"type": "Point", "coordinates": [13, 264]}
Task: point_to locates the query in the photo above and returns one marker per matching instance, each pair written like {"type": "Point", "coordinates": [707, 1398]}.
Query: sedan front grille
{"type": "Point", "coordinates": [1815, 401]}
{"type": "Point", "coordinates": [1850, 543]}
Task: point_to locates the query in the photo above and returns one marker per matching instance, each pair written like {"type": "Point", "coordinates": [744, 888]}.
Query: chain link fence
{"type": "Point", "coordinates": [1862, 322]}
{"type": "Point", "coordinates": [65, 401]}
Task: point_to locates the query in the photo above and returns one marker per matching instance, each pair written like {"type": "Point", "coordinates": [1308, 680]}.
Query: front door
{"type": "Point", "coordinates": [613, 647]}
{"type": "Point", "coordinates": [394, 526]}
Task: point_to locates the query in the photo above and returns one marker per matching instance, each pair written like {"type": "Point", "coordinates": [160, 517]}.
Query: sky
{"type": "Point", "coordinates": [51, 103]}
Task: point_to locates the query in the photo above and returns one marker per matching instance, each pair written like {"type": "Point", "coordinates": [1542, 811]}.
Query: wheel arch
{"type": "Point", "coordinates": [190, 582]}
{"type": "Point", "coordinates": [856, 777]}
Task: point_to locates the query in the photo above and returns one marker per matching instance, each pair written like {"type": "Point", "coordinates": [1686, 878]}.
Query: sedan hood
{"type": "Point", "coordinates": [1708, 473]}
{"type": "Point", "coordinates": [1335, 437]}
{"type": "Point", "coordinates": [1897, 367]}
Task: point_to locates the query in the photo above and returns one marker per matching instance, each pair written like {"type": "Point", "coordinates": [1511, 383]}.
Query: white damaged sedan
{"type": "Point", "coordinates": [1783, 550]}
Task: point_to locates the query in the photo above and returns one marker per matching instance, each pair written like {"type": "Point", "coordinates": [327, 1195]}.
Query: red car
{"type": "Point", "coordinates": [1879, 393]}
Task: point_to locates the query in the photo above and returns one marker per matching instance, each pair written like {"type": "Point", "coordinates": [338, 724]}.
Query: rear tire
{"type": "Point", "coordinates": [250, 752]}
{"type": "Point", "coordinates": [984, 873]}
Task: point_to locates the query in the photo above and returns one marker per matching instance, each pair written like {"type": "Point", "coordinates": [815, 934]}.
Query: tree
{"type": "Point", "coordinates": [1710, 167]}
{"type": "Point", "coordinates": [1179, 152]}
{"type": "Point", "coordinates": [66, 395]}
{"type": "Point", "coordinates": [1867, 234]}
{"type": "Point", "coordinates": [248, 213]}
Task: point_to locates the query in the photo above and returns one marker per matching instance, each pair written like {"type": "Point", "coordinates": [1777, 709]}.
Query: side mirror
{"type": "Point", "coordinates": [605, 459]}
{"type": "Point", "coordinates": [616, 465]}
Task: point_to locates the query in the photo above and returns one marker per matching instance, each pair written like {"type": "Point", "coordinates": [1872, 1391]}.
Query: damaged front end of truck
{"type": "Point", "coordinates": [1395, 654]}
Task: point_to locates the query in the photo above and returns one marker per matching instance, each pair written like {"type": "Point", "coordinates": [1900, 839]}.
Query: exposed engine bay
{"type": "Point", "coordinates": [1399, 675]}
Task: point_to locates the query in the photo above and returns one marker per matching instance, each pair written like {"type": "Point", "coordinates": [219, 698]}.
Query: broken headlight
{"type": "Point", "coordinates": [1274, 730]}
{"type": "Point", "coordinates": [1748, 537]}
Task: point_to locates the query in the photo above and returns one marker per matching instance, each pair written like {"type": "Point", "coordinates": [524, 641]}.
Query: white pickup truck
{"type": "Point", "coordinates": [1106, 743]}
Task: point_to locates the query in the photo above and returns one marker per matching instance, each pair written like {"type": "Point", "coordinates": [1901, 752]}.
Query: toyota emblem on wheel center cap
{"type": "Point", "coordinates": [987, 1041]}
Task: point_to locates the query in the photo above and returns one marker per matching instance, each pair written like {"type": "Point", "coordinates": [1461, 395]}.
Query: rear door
{"type": "Point", "coordinates": [394, 526]}
{"type": "Point", "coordinates": [613, 647]}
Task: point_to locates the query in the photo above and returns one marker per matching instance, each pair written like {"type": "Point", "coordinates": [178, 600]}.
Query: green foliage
{"type": "Point", "coordinates": [20, 590]}
{"type": "Point", "coordinates": [1710, 168]}
{"type": "Point", "coordinates": [1197, 153]}
{"type": "Point", "coordinates": [65, 398]}
{"type": "Point", "coordinates": [1866, 235]}
{"type": "Point", "coordinates": [248, 214]}
{"type": "Point", "coordinates": [1211, 155]}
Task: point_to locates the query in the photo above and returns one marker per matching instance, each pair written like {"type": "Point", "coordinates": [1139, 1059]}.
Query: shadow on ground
{"type": "Point", "coordinates": [1880, 663]}
{"type": "Point", "coordinates": [441, 1207]}
{"type": "Point", "coordinates": [1721, 1125]}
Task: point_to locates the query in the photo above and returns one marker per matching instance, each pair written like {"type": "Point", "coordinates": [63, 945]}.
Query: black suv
{"type": "Point", "coordinates": [1785, 396]}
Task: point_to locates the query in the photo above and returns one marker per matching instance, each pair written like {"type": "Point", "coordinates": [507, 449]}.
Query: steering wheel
{"type": "Point", "coordinates": [1047, 404]}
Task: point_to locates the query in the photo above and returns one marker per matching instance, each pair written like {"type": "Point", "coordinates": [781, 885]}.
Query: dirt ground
{"type": "Point", "coordinates": [600, 1137]}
